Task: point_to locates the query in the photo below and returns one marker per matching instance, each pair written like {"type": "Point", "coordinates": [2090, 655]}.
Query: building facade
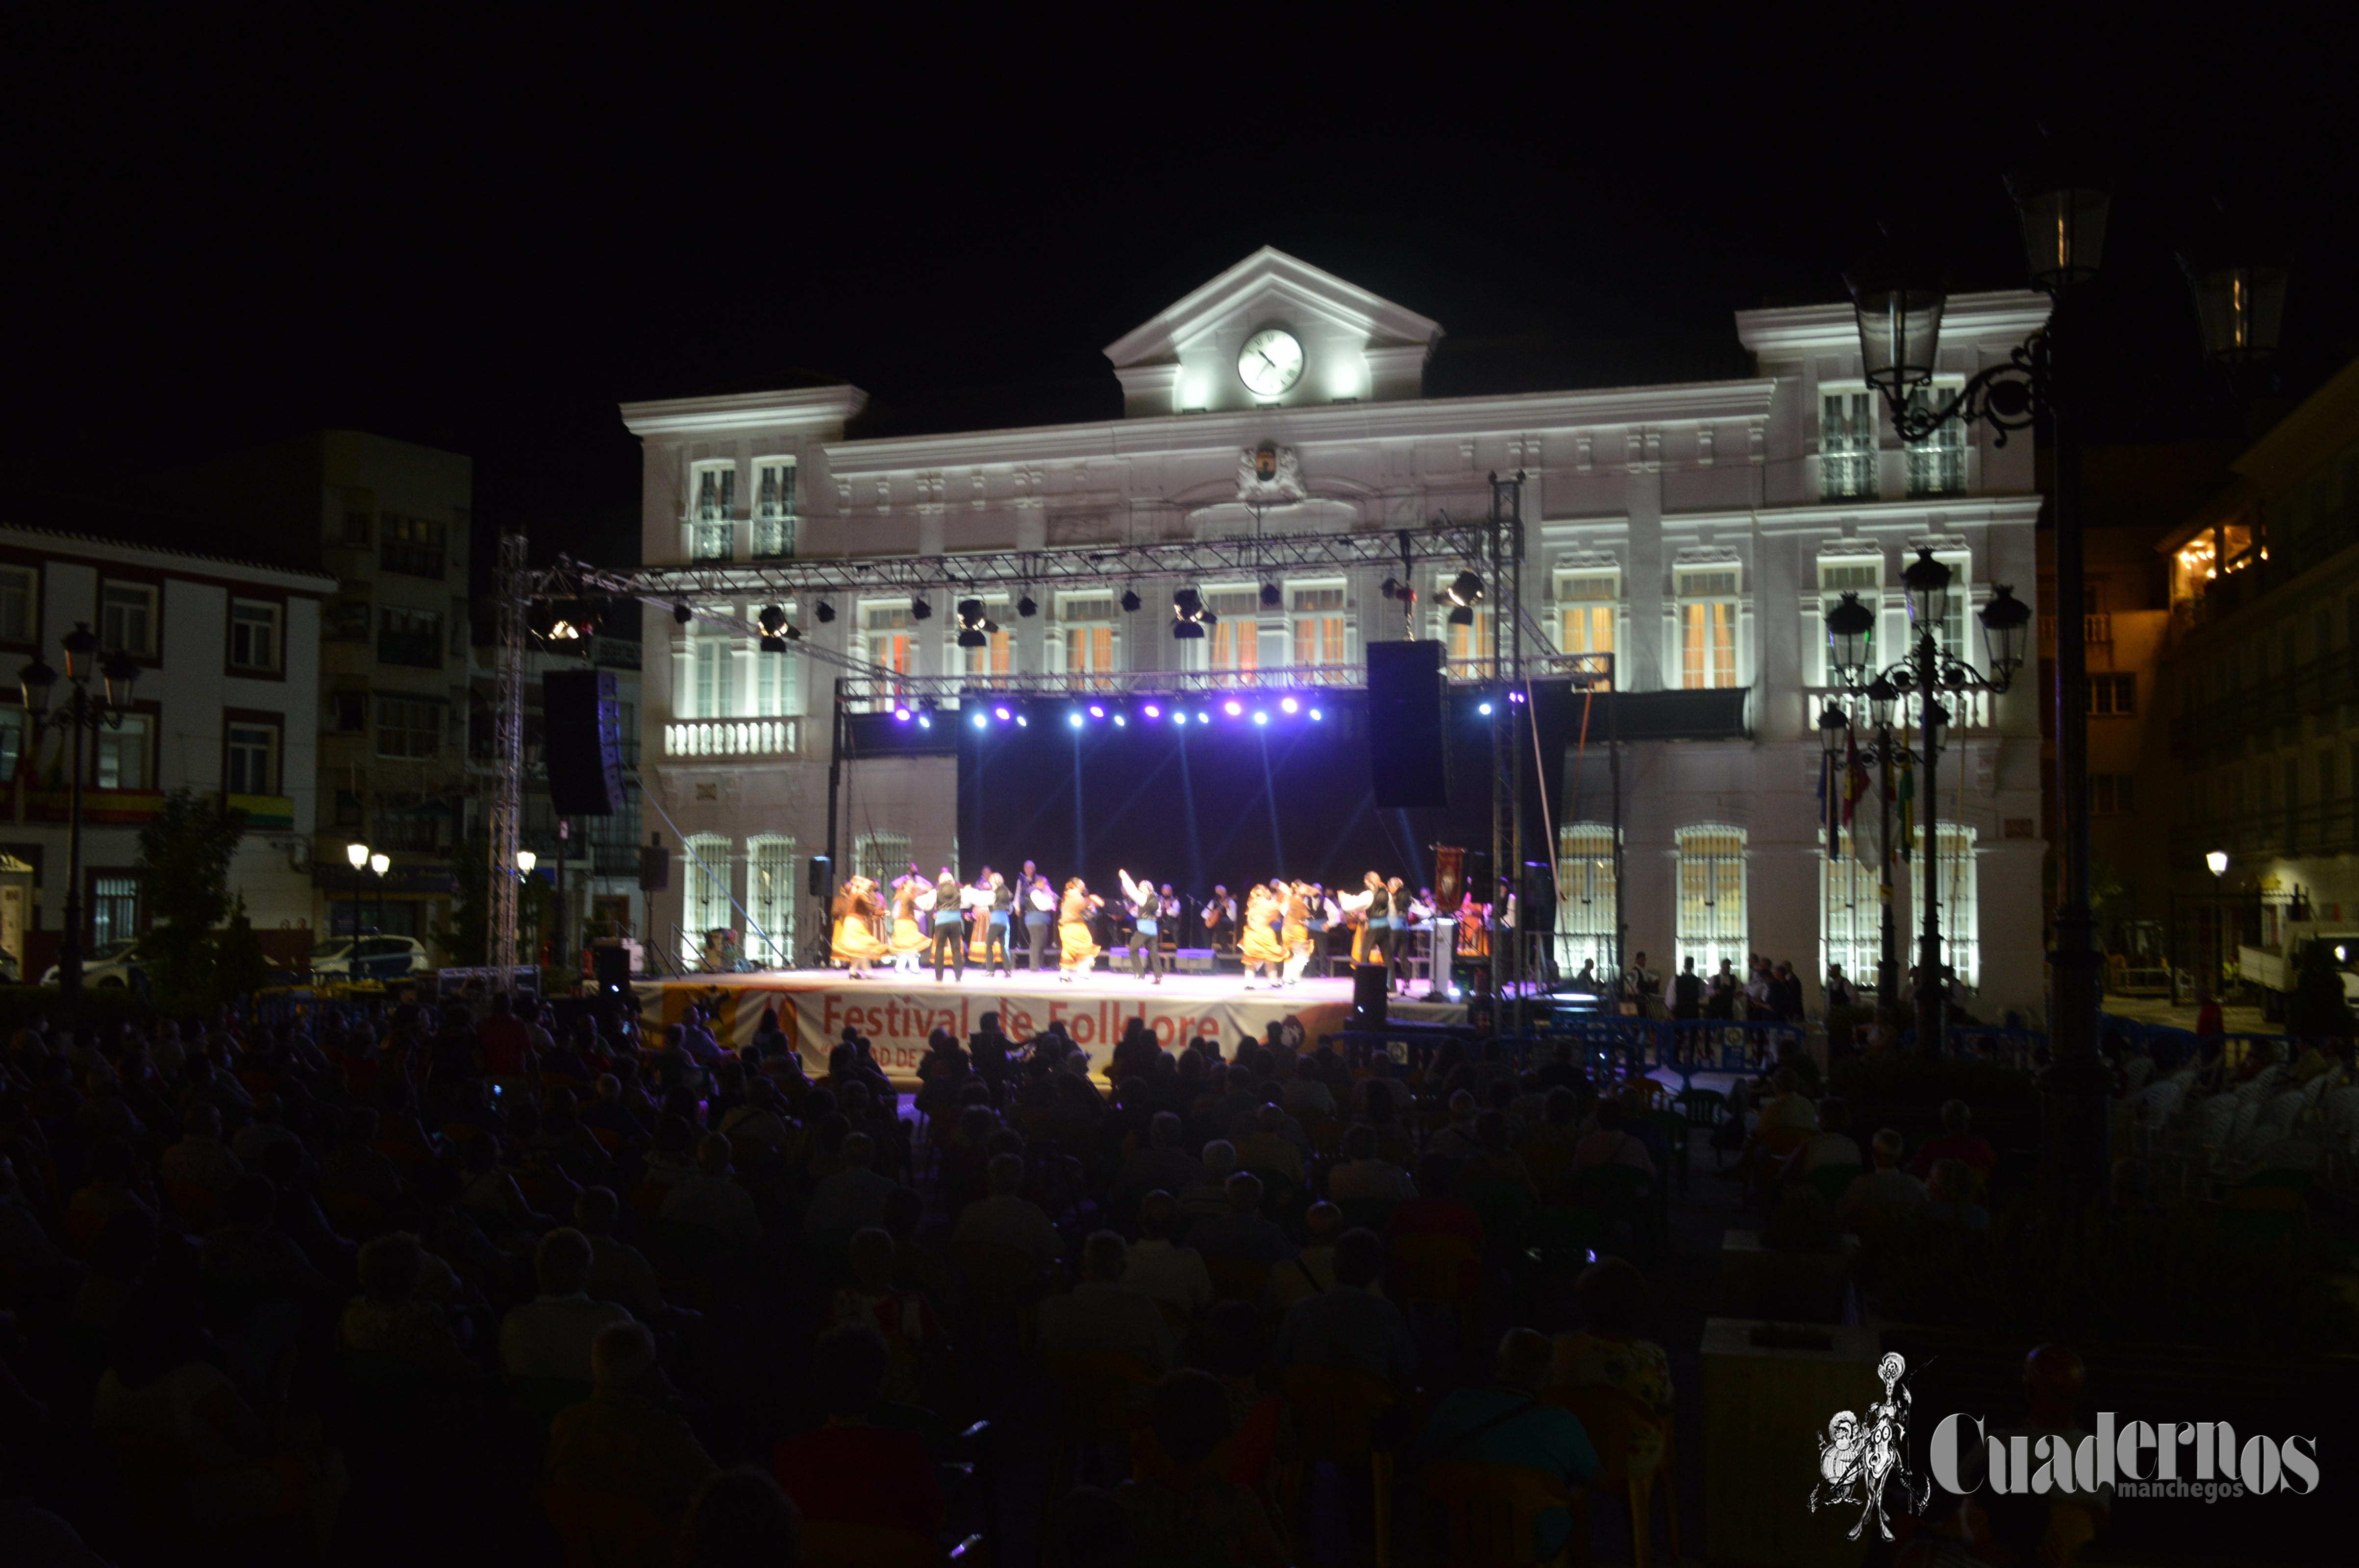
{"type": "Point", "coordinates": [226, 704]}
{"type": "Point", "coordinates": [1697, 532]}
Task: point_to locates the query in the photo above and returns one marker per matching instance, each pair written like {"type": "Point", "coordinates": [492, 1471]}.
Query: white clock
{"type": "Point", "coordinates": [1270, 362]}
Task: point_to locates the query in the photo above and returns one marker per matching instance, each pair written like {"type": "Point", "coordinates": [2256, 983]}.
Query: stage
{"type": "Point", "coordinates": [897, 1011]}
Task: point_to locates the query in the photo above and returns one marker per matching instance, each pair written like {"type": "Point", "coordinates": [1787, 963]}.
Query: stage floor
{"type": "Point", "coordinates": [897, 1011]}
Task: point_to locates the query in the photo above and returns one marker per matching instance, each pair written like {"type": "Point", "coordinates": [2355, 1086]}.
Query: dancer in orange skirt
{"type": "Point", "coordinates": [1075, 950]}
{"type": "Point", "coordinates": [856, 943]}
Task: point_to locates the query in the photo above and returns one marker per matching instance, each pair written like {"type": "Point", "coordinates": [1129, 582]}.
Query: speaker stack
{"type": "Point", "coordinates": [581, 741]}
{"type": "Point", "coordinates": [1408, 725]}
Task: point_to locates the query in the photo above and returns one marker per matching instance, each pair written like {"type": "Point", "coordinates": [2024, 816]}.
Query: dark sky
{"type": "Point", "coordinates": [484, 242]}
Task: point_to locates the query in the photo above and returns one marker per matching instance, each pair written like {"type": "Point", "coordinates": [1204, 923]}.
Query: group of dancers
{"type": "Point", "coordinates": [1280, 927]}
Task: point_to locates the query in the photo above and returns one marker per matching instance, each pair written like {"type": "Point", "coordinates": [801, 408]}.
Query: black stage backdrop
{"type": "Point", "coordinates": [1230, 802]}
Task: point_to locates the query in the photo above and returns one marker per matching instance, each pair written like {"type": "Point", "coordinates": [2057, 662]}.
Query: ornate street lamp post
{"type": "Point", "coordinates": [1884, 755]}
{"type": "Point", "coordinates": [358, 856]}
{"type": "Point", "coordinates": [380, 863]}
{"type": "Point", "coordinates": [1929, 670]}
{"type": "Point", "coordinates": [82, 715]}
{"type": "Point", "coordinates": [2239, 307]}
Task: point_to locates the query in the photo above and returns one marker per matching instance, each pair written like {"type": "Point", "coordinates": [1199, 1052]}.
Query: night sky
{"type": "Point", "coordinates": [484, 243]}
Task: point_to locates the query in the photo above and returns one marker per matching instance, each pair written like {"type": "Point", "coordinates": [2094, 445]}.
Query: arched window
{"type": "Point", "coordinates": [1955, 894]}
{"type": "Point", "coordinates": [770, 900]}
{"type": "Point", "coordinates": [1851, 913]}
{"type": "Point", "coordinates": [1711, 897]}
{"type": "Point", "coordinates": [1584, 911]}
{"type": "Point", "coordinates": [706, 878]}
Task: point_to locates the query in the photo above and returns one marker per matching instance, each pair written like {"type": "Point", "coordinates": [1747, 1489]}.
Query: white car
{"type": "Point", "coordinates": [379, 958]}
{"type": "Point", "coordinates": [109, 963]}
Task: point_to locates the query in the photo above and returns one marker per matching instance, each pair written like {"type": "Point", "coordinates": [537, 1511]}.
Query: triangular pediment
{"type": "Point", "coordinates": [1357, 345]}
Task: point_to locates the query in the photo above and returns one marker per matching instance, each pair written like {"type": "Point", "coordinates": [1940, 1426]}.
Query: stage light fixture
{"type": "Point", "coordinates": [1203, 718]}
{"type": "Point", "coordinates": [772, 620]}
{"type": "Point", "coordinates": [901, 712]}
{"type": "Point", "coordinates": [1483, 709]}
{"type": "Point", "coordinates": [1288, 704]}
{"type": "Point", "coordinates": [1315, 716]}
{"type": "Point", "coordinates": [1389, 587]}
{"type": "Point", "coordinates": [774, 644]}
{"type": "Point", "coordinates": [1022, 722]}
{"type": "Point", "coordinates": [925, 722]}
{"type": "Point", "coordinates": [980, 722]}
{"type": "Point", "coordinates": [1001, 713]}
{"type": "Point", "coordinates": [1261, 715]}
{"type": "Point", "coordinates": [1465, 592]}
{"type": "Point", "coordinates": [1130, 600]}
{"type": "Point", "coordinates": [1152, 711]}
{"type": "Point", "coordinates": [1269, 596]}
{"type": "Point", "coordinates": [975, 628]}
{"type": "Point", "coordinates": [921, 608]}
{"type": "Point", "coordinates": [1189, 616]}
{"type": "Point", "coordinates": [1232, 708]}
{"type": "Point", "coordinates": [1120, 723]}
{"type": "Point", "coordinates": [826, 612]}
{"type": "Point", "coordinates": [1028, 607]}
{"type": "Point", "coordinates": [1074, 719]}
{"type": "Point", "coordinates": [794, 633]}
{"type": "Point", "coordinates": [682, 614]}
{"type": "Point", "coordinates": [1097, 710]}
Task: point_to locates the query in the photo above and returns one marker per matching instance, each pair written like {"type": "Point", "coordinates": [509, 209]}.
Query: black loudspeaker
{"type": "Point", "coordinates": [611, 962]}
{"type": "Point", "coordinates": [654, 868]}
{"type": "Point", "coordinates": [581, 741]}
{"type": "Point", "coordinates": [1536, 905]}
{"type": "Point", "coordinates": [1480, 880]}
{"type": "Point", "coordinates": [1371, 989]}
{"type": "Point", "coordinates": [822, 874]}
{"type": "Point", "coordinates": [1408, 725]}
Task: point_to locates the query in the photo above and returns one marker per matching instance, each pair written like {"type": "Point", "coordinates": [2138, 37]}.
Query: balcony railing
{"type": "Point", "coordinates": [1969, 710]}
{"type": "Point", "coordinates": [2314, 686]}
{"type": "Point", "coordinates": [732, 736]}
{"type": "Point", "coordinates": [2319, 827]}
{"type": "Point", "coordinates": [2096, 629]}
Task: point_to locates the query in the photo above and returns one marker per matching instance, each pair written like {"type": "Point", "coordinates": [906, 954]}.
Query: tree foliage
{"type": "Point", "coordinates": [186, 850]}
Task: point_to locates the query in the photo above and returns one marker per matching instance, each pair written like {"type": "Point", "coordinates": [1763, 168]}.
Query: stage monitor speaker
{"type": "Point", "coordinates": [582, 742]}
{"type": "Point", "coordinates": [1408, 725]}
{"type": "Point", "coordinates": [1480, 881]}
{"type": "Point", "coordinates": [1536, 905]}
{"type": "Point", "coordinates": [611, 962]}
{"type": "Point", "coordinates": [822, 875]}
{"type": "Point", "coordinates": [1371, 989]}
{"type": "Point", "coordinates": [655, 866]}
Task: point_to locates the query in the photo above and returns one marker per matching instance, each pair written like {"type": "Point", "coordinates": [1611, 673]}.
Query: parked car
{"type": "Point", "coordinates": [110, 964]}
{"type": "Point", "coordinates": [379, 958]}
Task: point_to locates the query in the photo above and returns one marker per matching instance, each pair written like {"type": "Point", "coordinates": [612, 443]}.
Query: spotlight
{"type": "Point", "coordinates": [774, 644]}
{"type": "Point", "coordinates": [794, 633]}
{"type": "Point", "coordinates": [1514, 696]}
{"type": "Point", "coordinates": [1152, 711]}
{"type": "Point", "coordinates": [682, 614]}
{"type": "Point", "coordinates": [975, 627]}
{"type": "Point", "coordinates": [1027, 607]}
{"type": "Point", "coordinates": [921, 608]}
{"type": "Point", "coordinates": [1314, 716]}
{"type": "Point", "coordinates": [1129, 600]}
{"type": "Point", "coordinates": [1232, 708]}
{"type": "Point", "coordinates": [925, 722]}
{"type": "Point", "coordinates": [1465, 590]}
{"type": "Point", "coordinates": [979, 720]}
{"type": "Point", "coordinates": [1261, 715]}
{"type": "Point", "coordinates": [826, 612]}
{"type": "Point", "coordinates": [901, 712]}
{"type": "Point", "coordinates": [772, 620]}
{"type": "Point", "coordinates": [1288, 704]}
{"type": "Point", "coordinates": [1001, 713]}
{"type": "Point", "coordinates": [1189, 616]}
{"type": "Point", "coordinates": [1269, 596]}
{"type": "Point", "coordinates": [1462, 616]}
{"type": "Point", "coordinates": [1022, 722]}
{"type": "Point", "coordinates": [1074, 719]}
{"type": "Point", "coordinates": [1120, 723]}
{"type": "Point", "coordinates": [1203, 718]}
{"type": "Point", "coordinates": [1389, 587]}
{"type": "Point", "coordinates": [1483, 709]}
{"type": "Point", "coordinates": [1096, 711]}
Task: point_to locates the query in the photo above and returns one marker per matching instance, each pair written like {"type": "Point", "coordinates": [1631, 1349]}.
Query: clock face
{"type": "Point", "coordinates": [1270, 362]}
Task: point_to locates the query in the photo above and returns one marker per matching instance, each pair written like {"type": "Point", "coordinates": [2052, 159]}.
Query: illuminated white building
{"type": "Point", "coordinates": [1696, 531]}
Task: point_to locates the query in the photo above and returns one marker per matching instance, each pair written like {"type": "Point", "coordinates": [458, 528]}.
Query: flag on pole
{"type": "Point", "coordinates": [1855, 780]}
{"type": "Point", "coordinates": [1827, 800]}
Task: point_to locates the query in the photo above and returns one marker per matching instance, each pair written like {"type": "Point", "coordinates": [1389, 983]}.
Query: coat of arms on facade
{"type": "Point", "coordinates": [1861, 1455]}
{"type": "Point", "coordinates": [1268, 474]}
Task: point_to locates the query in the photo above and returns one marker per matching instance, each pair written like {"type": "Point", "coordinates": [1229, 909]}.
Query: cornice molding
{"type": "Point", "coordinates": [742, 411]}
{"type": "Point", "coordinates": [1163, 334]}
{"type": "Point", "coordinates": [2008, 316]}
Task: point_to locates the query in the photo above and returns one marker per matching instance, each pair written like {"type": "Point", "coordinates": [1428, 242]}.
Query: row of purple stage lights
{"type": "Point", "coordinates": [1121, 715]}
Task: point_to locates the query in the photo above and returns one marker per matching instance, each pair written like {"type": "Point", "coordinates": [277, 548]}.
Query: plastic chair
{"type": "Point", "coordinates": [1335, 1411]}
{"type": "Point", "coordinates": [1233, 1280]}
{"type": "Point", "coordinates": [1494, 1511]}
{"type": "Point", "coordinates": [1095, 1390]}
{"type": "Point", "coordinates": [831, 1544]}
{"type": "Point", "coordinates": [1615, 1422]}
{"type": "Point", "coordinates": [599, 1530]}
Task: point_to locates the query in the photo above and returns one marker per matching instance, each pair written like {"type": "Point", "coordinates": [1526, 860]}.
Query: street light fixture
{"type": "Point", "coordinates": [1898, 302]}
{"type": "Point", "coordinates": [358, 855]}
{"type": "Point", "coordinates": [526, 861]}
{"type": "Point", "coordinates": [82, 715]}
{"type": "Point", "coordinates": [378, 863]}
{"type": "Point", "coordinates": [2218, 863]}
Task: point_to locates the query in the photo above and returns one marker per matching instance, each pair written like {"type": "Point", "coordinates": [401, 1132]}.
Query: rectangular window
{"type": "Point", "coordinates": [1850, 912]}
{"type": "Point", "coordinates": [1711, 897]}
{"type": "Point", "coordinates": [886, 631]}
{"type": "Point", "coordinates": [1708, 628]}
{"type": "Point", "coordinates": [253, 634]}
{"type": "Point", "coordinates": [345, 620]}
{"type": "Point", "coordinates": [2112, 795]}
{"type": "Point", "coordinates": [1936, 465]}
{"type": "Point", "coordinates": [1088, 631]}
{"type": "Point", "coordinates": [713, 513]}
{"type": "Point", "coordinates": [408, 727]}
{"type": "Point", "coordinates": [1950, 634]}
{"type": "Point", "coordinates": [127, 613]}
{"type": "Point", "coordinates": [1588, 605]}
{"type": "Point", "coordinates": [1847, 446]}
{"type": "Point", "coordinates": [706, 872]}
{"type": "Point", "coordinates": [771, 902]}
{"type": "Point", "coordinates": [1837, 577]}
{"type": "Point", "coordinates": [351, 709]}
{"type": "Point", "coordinates": [114, 908]}
{"type": "Point", "coordinates": [1953, 886]}
{"type": "Point", "coordinates": [1584, 911]}
{"type": "Point", "coordinates": [2113, 696]}
{"type": "Point", "coordinates": [775, 517]}
{"type": "Point", "coordinates": [1234, 643]}
{"type": "Point", "coordinates": [12, 742]}
{"type": "Point", "coordinates": [881, 857]}
{"type": "Point", "coordinates": [356, 528]}
{"type": "Point", "coordinates": [253, 758]}
{"type": "Point", "coordinates": [412, 637]}
{"type": "Point", "coordinates": [1319, 626]}
{"type": "Point", "coordinates": [19, 601]}
{"type": "Point", "coordinates": [716, 667]}
{"type": "Point", "coordinates": [777, 691]}
{"type": "Point", "coordinates": [120, 759]}
{"type": "Point", "coordinates": [414, 547]}
{"type": "Point", "coordinates": [996, 656]}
